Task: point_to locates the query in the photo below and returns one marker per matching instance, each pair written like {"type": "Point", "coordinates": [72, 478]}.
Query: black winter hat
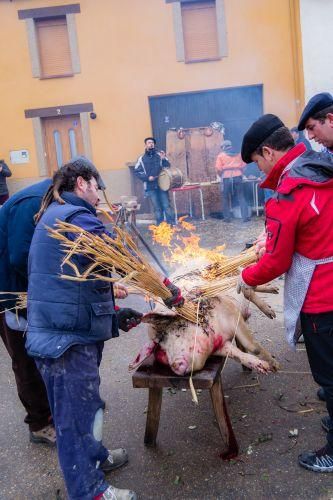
{"type": "Point", "coordinates": [317, 103]}
{"type": "Point", "coordinates": [258, 133]}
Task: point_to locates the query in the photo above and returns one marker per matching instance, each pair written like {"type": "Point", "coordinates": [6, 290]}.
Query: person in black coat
{"type": "Point", "coordinates": [16, 231]}
{"type": "Point", "coordinates": [4, 173]}
{"type": "Point", "coordinates": [147, 169]}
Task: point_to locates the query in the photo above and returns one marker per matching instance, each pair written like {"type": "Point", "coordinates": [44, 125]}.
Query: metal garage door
{"type": "Point", "coordinates": [235, 107]}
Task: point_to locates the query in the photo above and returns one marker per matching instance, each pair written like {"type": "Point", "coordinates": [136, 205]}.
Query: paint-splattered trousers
{"type": "Point", "coordinates": [72, 383]}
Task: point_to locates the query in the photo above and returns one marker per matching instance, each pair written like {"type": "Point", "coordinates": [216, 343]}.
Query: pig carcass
{"type": "Point", "coordinates": [184, 346]}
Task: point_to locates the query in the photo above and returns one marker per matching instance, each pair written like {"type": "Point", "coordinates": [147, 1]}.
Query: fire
{"type": "Point", "coordinates": [184, 248]}
{"type": "Point", "coordinates": [162, 234]}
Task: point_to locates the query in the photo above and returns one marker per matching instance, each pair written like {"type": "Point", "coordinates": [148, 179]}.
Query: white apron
{"type": "Point", "coordinates": [297, 282]}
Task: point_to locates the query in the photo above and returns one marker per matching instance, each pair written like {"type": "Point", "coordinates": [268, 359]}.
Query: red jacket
{"type": "Point", "coordinates": [299, 218]}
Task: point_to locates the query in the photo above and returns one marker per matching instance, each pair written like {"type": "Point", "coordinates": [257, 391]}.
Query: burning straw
{"type": "Point", "coordinates": [230, 266]}
{"type": "Point", "coordinates": [119, 256]}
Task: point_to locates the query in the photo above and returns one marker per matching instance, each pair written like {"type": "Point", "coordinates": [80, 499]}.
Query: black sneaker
{"type": "Point", "coordinates": [317, 461]}
{"type": "Point", "coordinates": [327, 423]}
{"type": "Point", "coordinates": [321, 394]}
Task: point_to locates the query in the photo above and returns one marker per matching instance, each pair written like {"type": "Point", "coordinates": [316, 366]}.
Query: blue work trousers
{"type": "Point", "coordinates": [72, 384]}
{"type": "Point", "coordinates": [161, 205]}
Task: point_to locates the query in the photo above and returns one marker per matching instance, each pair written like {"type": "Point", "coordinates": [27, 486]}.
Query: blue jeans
{"type": "Point", "coordinates": [161, 205]}
{"type": "Point", "coordinates": [72, 384]}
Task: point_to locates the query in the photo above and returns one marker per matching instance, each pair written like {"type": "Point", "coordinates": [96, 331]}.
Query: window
{"type": "Point", "coordinates": [52, 40]}
{"type": "Point", "coordinates": [53, 46]}
{"type": "Point", "coordinates": [200, 31]}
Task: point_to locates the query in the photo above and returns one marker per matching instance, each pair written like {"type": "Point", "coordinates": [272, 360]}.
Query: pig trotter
{"type": "Point", "coordinates": [261, 304]}
{"type": "Point", "coordinates": [245, 358]}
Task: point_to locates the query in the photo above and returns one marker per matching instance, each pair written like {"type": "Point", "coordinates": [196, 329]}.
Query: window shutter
{"type": "Point", "coordinates": [54, 49]}
{"type": "Point", "coordinates": [200, 31]}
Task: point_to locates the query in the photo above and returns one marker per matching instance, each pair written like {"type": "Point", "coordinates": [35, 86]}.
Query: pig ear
{"type": "Point", "coordinates": [144, 353]}
{"type": "Point", "coordinates": [156, 317]}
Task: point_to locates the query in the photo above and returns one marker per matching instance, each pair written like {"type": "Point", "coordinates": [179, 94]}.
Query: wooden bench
{"type": "Point", "coordinates": [154, 376]}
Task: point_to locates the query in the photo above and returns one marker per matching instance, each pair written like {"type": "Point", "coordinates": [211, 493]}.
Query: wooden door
{"type": "Point", "coordinates": [62, 139]}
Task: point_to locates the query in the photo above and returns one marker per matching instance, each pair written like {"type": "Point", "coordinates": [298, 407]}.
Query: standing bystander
{"type": "Point", "coordinates": [16, 231]}
{"type": "Point", "coordinates": [229, 166]}
{"type": "Point", "coordinates": [4, 173]}
{"type": "Point", "coordinates": [147, 169]}
{"type": "Point", "coordinates": [299, 138]}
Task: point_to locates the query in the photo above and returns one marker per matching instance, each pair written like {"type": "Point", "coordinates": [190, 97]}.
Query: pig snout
{"type": "Point", "coordinates": [180, 366]}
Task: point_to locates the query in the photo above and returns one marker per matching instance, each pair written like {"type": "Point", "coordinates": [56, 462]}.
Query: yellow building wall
{"type": "Point", "coordinates": [127, 53]}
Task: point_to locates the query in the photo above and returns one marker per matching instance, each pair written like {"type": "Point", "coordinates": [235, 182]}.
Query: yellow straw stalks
{"type": "Point", "coordinates": [120, 257]}
{"type": "Point", "coordinates": [231, 265]}
{"type": "Point", "coordinates": [117, 256]}
{"type": "Point", "coordinates": [214, 288]}
{"type": "Point", "coordinates": [20, 299]}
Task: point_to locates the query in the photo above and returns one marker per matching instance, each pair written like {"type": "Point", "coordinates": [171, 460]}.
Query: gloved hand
{"type": "Point", "coordinates": [176, 299]}
{"type": "Point", "coordinates": [242, 287]}
{"type": "Point", "coordinates": [128, 318]}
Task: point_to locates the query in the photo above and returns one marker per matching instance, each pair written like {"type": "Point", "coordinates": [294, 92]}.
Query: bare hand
{"type": "Point", "coordinates": [162, 154]}
{"type": "Point", "coordinates": [260, 245]}
{"type": "Point", "coordinates": [120, 291]}
{"type": "Point", "coordinates": [151, 178]}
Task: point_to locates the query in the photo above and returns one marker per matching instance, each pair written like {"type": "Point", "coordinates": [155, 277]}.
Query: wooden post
{"type": "Point", "coordinates": [153, 416]}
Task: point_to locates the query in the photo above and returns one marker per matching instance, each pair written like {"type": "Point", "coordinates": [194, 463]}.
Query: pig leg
{"type": "Point", "coordinates": [244, 358]}
{"type": "Point", "coordinates": [261, 304]}
{"type": "Point", "coordinates": [267, 289]}
{"type": "Point", "coordinates": [240, 346]}
{"type": "Point", "coordinates": [245, 337]}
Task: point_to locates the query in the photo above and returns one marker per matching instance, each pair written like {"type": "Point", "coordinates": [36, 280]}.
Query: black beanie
{"type": "Point", "coordinates": [317, 103]}
{"type": "Point", "coordinates": [258, 133]}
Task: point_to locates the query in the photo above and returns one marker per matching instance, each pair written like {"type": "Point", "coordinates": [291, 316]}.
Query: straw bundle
{"type": "Point", "coordinates": [231, 265]}
{"type": "Point", "coordinates": [118, 256]}
{"type": "Point", "coordinates": [216, 287]}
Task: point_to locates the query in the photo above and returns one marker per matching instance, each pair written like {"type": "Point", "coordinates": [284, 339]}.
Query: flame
{"type": "Point", "coordinates": [162, 234]}
{"type": "Point", "coordinates": [186, 225]}
{"type": "Point", "coordinates": [184, 248]}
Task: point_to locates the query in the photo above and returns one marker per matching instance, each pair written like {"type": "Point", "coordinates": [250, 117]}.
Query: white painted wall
{"type": "Point", "coordinates": [317, 45]}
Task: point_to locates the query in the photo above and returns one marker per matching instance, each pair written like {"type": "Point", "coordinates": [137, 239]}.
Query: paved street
{"type": "Point", "coordinates": [186, 463]}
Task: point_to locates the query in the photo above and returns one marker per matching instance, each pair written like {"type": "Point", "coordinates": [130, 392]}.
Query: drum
{"type": "Point", "coordinates": [170, 178]}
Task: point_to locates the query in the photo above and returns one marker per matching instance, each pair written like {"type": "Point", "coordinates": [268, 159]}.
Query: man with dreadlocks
{"type": "Point", "coordinates": [68, 322]}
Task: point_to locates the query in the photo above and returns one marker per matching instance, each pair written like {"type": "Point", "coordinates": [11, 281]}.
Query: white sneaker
{"type": "Point", "coordinates": [113, 493]}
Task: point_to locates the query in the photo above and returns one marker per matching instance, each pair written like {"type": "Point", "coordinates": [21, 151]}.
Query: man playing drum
{"type": "Point", "coordinates": [147, 169]}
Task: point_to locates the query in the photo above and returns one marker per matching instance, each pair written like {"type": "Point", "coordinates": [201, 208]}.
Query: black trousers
{"type": "Point", "coordinates": [30, 386]}
{"type": "Point", "coordinates": [317, 330]}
